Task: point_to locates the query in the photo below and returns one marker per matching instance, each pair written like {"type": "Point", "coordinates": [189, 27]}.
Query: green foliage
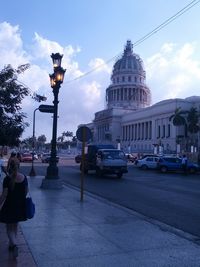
{"type": "Point", "coordinates": [42, 139]}
{"type": "Point", "coordinates": [192, 119]}
{"type": "Point", "coordinates": [177, 118]}
{"type": "Point", "coordinates": [11, 95]}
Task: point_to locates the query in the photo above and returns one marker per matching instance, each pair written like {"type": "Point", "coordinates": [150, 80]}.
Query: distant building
{"type": "Point", "coordinates": [129, 121]}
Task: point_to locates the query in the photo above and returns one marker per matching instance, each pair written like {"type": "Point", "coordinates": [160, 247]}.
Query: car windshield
{"type": "Point", "coordinates": [113, 155]}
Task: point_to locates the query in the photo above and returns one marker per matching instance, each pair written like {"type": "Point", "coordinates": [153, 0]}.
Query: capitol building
{"type": "Point", "coordinates": [129, 120]}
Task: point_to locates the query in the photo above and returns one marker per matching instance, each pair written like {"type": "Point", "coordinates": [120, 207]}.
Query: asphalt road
{"type": "Point", "coordinates": [170, 198]}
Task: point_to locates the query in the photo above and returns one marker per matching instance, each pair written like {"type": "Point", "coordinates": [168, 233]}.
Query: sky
{"type": "Point", "coordinates": [92, 33]}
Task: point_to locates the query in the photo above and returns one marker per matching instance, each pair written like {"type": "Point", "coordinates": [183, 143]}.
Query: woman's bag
{"type": "Point", "coordinates": [30, 208]}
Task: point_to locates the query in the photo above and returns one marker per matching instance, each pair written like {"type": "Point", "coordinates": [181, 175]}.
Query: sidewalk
{"type": "Point", "coordinates": [66, 232]}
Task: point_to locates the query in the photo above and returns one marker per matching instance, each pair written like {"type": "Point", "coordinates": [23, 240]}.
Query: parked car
{"type": "Point", "coordinates": [78, 158]}
{"type": "Point", "coordinates": [144, 156]}
{"type": "Point", "coordinates": [26, 157]}
{"type": "Point", "coordinates": [166, 164]}
{"type": "Point", "coordinates": [149, 162]}
{"type": "Point", "coordinates": [46, 157]}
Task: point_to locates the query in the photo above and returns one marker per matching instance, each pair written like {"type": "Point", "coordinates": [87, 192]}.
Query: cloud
{"type": "Point", "coordinates": [99, 65]}
{"type": "Point", "coordinates": [11, 46]}
{"type": "Point", "coordinates": [174, 72]}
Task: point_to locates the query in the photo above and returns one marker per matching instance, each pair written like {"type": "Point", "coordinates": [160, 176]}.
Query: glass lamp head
{"type": "Point", "coordinates": [56, 58]}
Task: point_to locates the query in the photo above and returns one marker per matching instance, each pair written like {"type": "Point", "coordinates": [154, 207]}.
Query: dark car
{"type": "Point", "coordinates": [166, 164]}
{"type": "Point", "coordinates": [46, 157]}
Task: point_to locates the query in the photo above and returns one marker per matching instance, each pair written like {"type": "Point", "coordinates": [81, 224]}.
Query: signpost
{"type": "Point", "coordinates": [83, 134]}
{"type": "Point", "coordinates": [46, 108]}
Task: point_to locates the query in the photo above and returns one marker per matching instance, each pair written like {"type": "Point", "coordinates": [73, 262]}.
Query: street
{"type": "Point", "coordinates": [170, 198]}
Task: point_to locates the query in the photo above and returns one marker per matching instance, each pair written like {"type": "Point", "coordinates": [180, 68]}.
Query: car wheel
{"type": "Point", "coordinates": [98, 172]}
{"type": "Point", "coordinates": [119, 175]}
{"type": "Point", "coordinates": [144, 167]}
{"type": "Point", "coordinates": [163, 169]}
{"type": "Point", "coordinates": [192, 170]}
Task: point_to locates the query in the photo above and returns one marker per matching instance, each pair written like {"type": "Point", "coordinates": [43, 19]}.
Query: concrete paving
{"type": "Point", "coordinates": [68, 232]}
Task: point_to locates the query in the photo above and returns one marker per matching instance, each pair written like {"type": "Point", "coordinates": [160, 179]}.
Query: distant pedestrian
{"type": "Point", "coordinates": [13, 203]}
{"type": "Point", "coordinates": [198, 159]}
{"type": "Point", "coordinates": [2, 167]}
{"type": "Point", "coordinates": [184, 164]}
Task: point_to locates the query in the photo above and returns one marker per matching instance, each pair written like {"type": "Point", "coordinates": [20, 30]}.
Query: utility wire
{"type": "Point", "coordinates": [166, 22]}
{"type": "Point", "coordinates": [141, 40]}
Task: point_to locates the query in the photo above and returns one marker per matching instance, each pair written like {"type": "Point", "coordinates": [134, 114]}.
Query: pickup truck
{"type": "Point", "coordinates": [105, 159]}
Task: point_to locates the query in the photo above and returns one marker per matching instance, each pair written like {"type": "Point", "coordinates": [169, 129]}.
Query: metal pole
{"type": "Point", "coordinates": [32, 171]}
{"type": "Point", "coordinates": [83, 163]}
{"type": "Point", "coordinates": [52, 169]}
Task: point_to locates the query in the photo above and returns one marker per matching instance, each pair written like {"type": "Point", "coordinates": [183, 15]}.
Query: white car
{"type": "Point", "coordinates": [148, 162]}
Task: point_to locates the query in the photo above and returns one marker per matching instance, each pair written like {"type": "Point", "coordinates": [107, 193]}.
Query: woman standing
{"type": "Point", "coordinates": [13, 197]}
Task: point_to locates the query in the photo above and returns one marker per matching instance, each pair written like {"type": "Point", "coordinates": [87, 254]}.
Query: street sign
{"type": "Point", "coordinates": [46, 108]}
{"type": "Point", "coordinates": [84, 134]}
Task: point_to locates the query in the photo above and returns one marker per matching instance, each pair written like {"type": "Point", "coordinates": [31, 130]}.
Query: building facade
{"type": "Point", "coordinates": [129, 120]}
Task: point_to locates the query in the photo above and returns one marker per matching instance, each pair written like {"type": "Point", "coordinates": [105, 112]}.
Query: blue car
{"type": "Point", "coordinates": [166, 164]}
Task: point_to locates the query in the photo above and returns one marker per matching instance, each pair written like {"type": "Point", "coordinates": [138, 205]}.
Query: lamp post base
{"type": "Point", "coordinates": [51, 184]}
{"type": "Point", "coordinates": [32, 172]}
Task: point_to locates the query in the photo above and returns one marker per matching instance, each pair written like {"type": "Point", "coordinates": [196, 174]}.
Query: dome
{"type": "Point", "coordinates": [129, 62]}
{"type": "Point", "coordinates": [128, 87]}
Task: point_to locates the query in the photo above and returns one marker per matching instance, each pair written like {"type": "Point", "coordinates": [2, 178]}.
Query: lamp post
{"type": "Point", "coordinates": [51, 180]}
{"type": "Point", "coordinates": [32, 171]}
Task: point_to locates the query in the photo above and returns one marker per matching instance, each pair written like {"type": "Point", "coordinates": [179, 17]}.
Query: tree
{"type": "Point", "coordinates": [67, 134]}
{"type": "Point", "coordinates": [41, 140]}
{"type": "Point", "coordinates": [11, 95]}
{"type": "Point", "coordinates": [177, 118]}
{"type": "Point", "coordinates": [192, 120]}
{"type": "Point", "coordinates": [27, 143]}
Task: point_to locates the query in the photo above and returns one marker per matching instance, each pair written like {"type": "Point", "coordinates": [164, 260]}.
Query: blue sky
{"type": "Point", "coordinates": [89, 33]}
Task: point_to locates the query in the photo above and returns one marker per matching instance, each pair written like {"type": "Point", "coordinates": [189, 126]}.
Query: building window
{"type": "Point", "coordinates": [117, 79]}
{"type": "Point", "coordinates": [163, 134]}
{"type": "Point", "coordinates": [158, 135]}
{"type": "Point", "coordinates": [122, 97]}
{"type": "Point", "coordinates": [123, 79]}
{"type": "Point", "coordinates": [168, 130]}
{"type": "Point", "coordinates": [129, 94]}
{"type": "Point", "coordinates": [132, 132]}
{"type": "Point", "coordinates": [125, 94]}
{"type": "Point", "coordinates": [129, 78]}
{"type": "Point", "coordinates": [135, 79]}
{"type": "Point", "coordinates": [117, 94]}
{"type": "Point", "coordinates": [135, 132]}
{"type": "Point", "coordinates": [123, 133]}
{"type": "Point", "coordinates": [126, 137]}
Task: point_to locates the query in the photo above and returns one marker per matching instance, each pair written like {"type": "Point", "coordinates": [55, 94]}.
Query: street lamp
{"type": "Point", "coordinates": [51, 180]}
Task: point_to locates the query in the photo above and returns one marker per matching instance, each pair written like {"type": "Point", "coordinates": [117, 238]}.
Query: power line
{"type": "Point", "coordinates": [166, 22]}
{"type": "Point", "coordinates": [141, 40]}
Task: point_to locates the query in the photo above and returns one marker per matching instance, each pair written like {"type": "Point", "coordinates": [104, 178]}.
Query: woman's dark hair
{"type": "Point", "coordinates": [13, 154]}
{"type": "Point", "coordinates": [14, 167]}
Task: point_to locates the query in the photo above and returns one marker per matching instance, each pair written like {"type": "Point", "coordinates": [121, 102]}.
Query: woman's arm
{"type": "Point", "coordinates": [3, 196]}
{"type": "Point", "coordinates": [26, 189]}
